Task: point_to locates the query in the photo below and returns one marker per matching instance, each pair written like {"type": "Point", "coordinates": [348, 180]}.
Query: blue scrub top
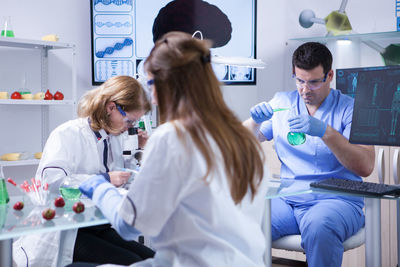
{"type": "Point", "coordinates": [312, 160]}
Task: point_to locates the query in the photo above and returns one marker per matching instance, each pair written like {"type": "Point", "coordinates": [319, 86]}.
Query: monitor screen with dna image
{"type": "Point", "coordinates": [124, 31]}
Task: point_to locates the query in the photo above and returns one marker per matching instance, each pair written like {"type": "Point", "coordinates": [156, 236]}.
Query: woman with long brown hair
{"type": "Point", "coordinates": [198, 195]}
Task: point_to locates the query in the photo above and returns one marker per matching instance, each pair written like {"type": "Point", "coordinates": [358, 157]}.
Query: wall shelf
{"type": "Point", "coordinates": [35, 102]}
{"type": "Point", "coordinates": [9, 43]}
{"type": "Point", "coordinates": [5, 163]}
{"type": "Point", "coordinates": [352, 37]}
{"type": "Point", "coordinates": [32, 44]}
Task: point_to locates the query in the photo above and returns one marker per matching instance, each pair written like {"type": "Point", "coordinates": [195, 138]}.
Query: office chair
{"type": "Point", "coordinates": [293, 242]}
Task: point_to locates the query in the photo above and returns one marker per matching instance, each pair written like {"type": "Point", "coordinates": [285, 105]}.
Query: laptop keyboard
{"type": "Point", "coordinates": [365, 188]}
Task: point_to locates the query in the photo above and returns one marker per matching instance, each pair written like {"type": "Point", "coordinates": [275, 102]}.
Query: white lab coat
{"type": "Point", "coordinates": [72, 146]}
{"type": "Point", "coordinates": [189, 221]}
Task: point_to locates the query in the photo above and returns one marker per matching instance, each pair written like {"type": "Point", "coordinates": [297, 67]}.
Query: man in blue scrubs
{"type": "Point", "coordinates": [324, 115]}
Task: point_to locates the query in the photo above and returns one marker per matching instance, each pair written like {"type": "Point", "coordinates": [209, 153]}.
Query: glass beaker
{"type": "Point", "coordinates": [39, 197]}
{"type": "Point", "coordinates": [7, 29]}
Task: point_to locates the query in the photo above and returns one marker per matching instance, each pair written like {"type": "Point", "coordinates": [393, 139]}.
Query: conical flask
{"type": "Point", "coordinates": [4, 199]}
{"type": "Point", "coordinates": [7, 30]}
{"type": "Point", "coordinates": [295, 138]}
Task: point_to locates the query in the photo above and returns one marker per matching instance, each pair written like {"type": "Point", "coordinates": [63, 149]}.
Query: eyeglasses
{"type": "Point", "coordinates": [150, 82]}
{"type": "Point", "coordinates": [312, 85]}
{"type": "Point", "coordinates": [123, 113]}
{"type": "Point", "coordinates": [149, 90]}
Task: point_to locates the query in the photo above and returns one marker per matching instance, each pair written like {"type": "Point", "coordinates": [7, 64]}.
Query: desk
{"type": "Point", "coordinates": [29, 220]}
{"type": "Point", "coordinates": [291, 187]}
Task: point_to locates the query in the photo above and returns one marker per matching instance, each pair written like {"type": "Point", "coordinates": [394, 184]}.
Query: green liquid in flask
{"type": "Point", "coordinates": [7, 33]}
{"type": "Point", "coordinates": [4, 199]}
{"type": "Point", "coordinates": [296, 138]}
{"type": "Point", "coordinates": [70, 192]}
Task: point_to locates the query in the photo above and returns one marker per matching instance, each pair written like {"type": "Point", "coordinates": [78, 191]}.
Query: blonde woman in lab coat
{"type": "Point", "coordinates": [199, 194]}
{"type": "Point", "coordinates": [75, 151]}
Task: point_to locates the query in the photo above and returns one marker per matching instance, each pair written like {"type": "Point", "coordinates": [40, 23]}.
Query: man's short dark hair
{"type": "Point", "coordinates": [310, 55]}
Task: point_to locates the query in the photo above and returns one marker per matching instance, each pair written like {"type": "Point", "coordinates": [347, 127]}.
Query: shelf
{"type": "Point", "coordinates": [5, 163]}
{"type": "Point", "coordinates": [35, 102]}
{"type": "Point", "coordinates": [24, 106]}
{"type": "Point", "coordinates": [32, 44]}
{"type": "Point", "coordinates": [352, 37]}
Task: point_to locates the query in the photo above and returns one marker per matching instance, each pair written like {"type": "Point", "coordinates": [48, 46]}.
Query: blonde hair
{"type": "Point", "coordinates": [188, 90]}
{"type": "Point", "coordinates": [123, 90]}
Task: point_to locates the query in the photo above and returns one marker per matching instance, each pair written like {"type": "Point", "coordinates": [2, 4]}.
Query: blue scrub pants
{"type": "Point", "coordinates": [324, 225]}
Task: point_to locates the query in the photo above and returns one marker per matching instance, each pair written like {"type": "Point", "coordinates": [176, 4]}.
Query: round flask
{"type": "Point", "coordinates": [296, 138]}
{"type": "Point", "coordinates": [69, 191]}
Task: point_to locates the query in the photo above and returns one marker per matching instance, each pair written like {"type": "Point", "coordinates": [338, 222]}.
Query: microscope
{"type": "Point", "coordinates": [131, 152]}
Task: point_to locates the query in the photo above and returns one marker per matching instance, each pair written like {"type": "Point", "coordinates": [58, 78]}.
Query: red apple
{"type": "Point", "coordinates": [59, 202]}
{"type": "Point", "coordinates": [48, 95]}
{"type": "Point", "coordinates": [58, 96]}
{"type": "Point", "coordinates": [78, 207]}
{"type": "Point", "coordinates": [48, 214]}
{"type": "Point", "coordinates": [16, 95]}
{"type": "Point", "coordinates": [18, 205]}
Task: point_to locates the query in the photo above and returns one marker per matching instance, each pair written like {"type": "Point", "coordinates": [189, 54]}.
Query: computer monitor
{"type": "Point", "coordinates": [376, 115]}
{"type": "Point", "coordinates": [124, 32]}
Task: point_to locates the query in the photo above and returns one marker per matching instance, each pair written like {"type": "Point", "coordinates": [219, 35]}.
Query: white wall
{"type": "Point", "coordinates": [277, 22]}
{"type": "Point", "coordinates": [365, 16]}
{"type": "Point", "coordinates": [271, 39]}
{"type": "Point", "coordinates": [70, 20]}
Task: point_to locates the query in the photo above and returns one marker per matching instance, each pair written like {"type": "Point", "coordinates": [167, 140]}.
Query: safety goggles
{"type": "Point", "coordinates": [150, 82]}
{"type": "Point", "coordinates": [123, 113]}
{"type": "Point", "coordinates": [312, 85]}
{"type": "Point", "coordinates": [149, 90]}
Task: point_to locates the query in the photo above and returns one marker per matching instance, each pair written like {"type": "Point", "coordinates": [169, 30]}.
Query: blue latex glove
{"type": "Point", "coordinates": [87, 187]}
{"type": "Point", "coordinates": [261, 112]}
{"type": "Point", "coordinates": [308, 125]}
{"type": "Point", "coordinates": [267, 131]}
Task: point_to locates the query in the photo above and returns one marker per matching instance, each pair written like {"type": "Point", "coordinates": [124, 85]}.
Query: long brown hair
{"type": "Point", "coordinates": [123, 90]}
{"type": "Point", "coordinates": [188, 90]}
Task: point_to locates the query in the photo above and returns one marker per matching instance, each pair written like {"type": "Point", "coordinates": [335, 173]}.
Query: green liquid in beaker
{"type": "Point", "coordinates": [8, 33]}
{"type": "Point", "coordinates": [4, 199]}
{"type": "Point", "coordinates": [296, 138]}
{"type": "Point", "coordinates": [70, 192]}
